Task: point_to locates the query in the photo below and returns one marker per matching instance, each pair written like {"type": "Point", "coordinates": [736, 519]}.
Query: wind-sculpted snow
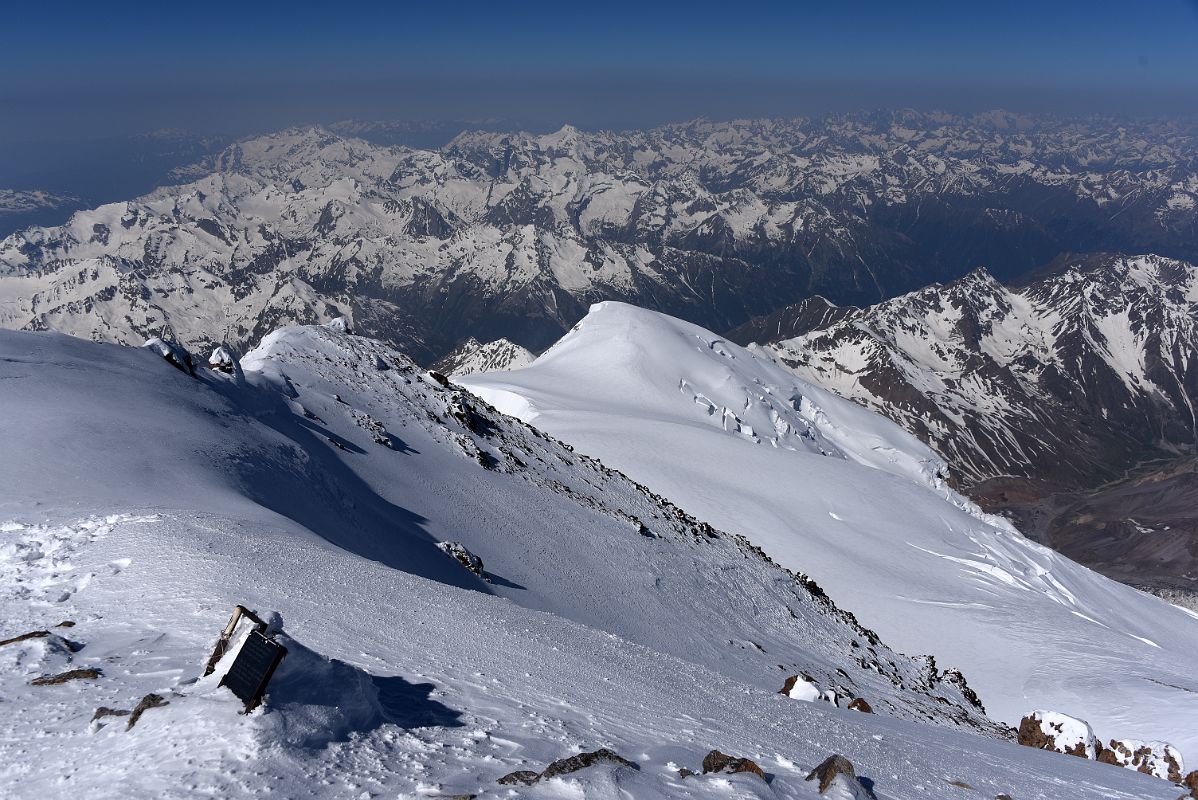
{"type": "Point", "coordinates": [514, 235]}
{"type": "Point", "coordinates": [859, 505]}
{"type": "Point", "coordinates": [140, 504]}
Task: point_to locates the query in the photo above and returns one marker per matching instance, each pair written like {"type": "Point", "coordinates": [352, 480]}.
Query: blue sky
{"type": "Point", "coordinates": [228, 66]}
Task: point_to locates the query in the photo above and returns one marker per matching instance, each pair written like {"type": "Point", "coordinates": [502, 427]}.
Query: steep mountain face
{"type": "Point", "coordinates": [1060, 383]}
{"type": "Point", "coordinates": [745, 445]}
{"type": "Point", "coordinates": [1071, 377]}
{"type": "Point", "coordinates": [512, 235]}
{"type": "Point", "coordinates": [474, 356]}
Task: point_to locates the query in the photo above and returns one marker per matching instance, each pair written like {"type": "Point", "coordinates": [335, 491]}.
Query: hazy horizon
{"type": "Point", "coordinates": [78, 72]}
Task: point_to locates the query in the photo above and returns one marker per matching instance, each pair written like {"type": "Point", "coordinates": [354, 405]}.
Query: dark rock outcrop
{"type": "Point", "coordinates": [565, 766]}
{"type": "Point", "coordinates": [63, 677]}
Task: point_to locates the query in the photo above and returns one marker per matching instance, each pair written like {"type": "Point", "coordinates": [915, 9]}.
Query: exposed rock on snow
{"type": "Point", "coordinates": [175, 354]}
{"type": "Point", "coordinates": [521, 777]}
{"type": "Point", "coordinates": [715, 761]}
{"type": "Point", "coordinates": [1152, 758]}
{"type": "Point", "coordinates": [836, 771]}
{"type": "Point", "coordinates": [222, 360]}
{"type": "Point", "coordinates": [566, 766]}
{"type": "Point", "coordinates": [859, 704]}
{"type": "Point", "coordinates": [69, 675]}
{"type": "Point", "coordinates": [804, 687]}
{"type": "Point", "coordinates": [458, 552]}
{"type": "Point", "coordinates": [145, 704]}
{"type": "Point", "coordinates": [1048, 730]}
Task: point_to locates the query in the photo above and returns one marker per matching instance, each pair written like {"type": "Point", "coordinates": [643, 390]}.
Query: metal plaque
{"type": "Point", "coordinates": [252, 669]}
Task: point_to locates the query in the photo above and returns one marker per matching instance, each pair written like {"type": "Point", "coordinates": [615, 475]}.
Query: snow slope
{"type": "Point", "coordinates": [141, 504]}
{"type": "Point", "coordinates": [819, 482]}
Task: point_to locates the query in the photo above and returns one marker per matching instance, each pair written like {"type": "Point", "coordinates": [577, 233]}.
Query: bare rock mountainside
{"type": "Point", "coordinates": [473, 356]}
{"type": "Point", "coordinates": [1065, 398]}
{"type": "Point", "coordinates": [514, 235]}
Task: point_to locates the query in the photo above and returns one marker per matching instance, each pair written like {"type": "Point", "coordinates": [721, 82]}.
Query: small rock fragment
{"type": "Point", "coordinates": [715, 761]}
{"type": "Point", "coordinates": [25, 636]}
{"type": "Point", "coordinates": [222, 360]}
{"type": "Point", "coordinates": [829, 768]}
{"type": "Point", "coordinates": [564, 766]}
{"type": "Point", "coordinates": [69, 675]}
{"type": "Point", "coordinates": [861, 705]}
{"type": "Point", "coordinates": [521, 777]}
{"type": "Point", "coordinates": [105, 711]}
{"type": "Point", "coordinates": [147, 702]}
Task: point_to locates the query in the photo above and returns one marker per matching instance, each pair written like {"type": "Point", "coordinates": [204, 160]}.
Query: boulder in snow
{"type": "Point", "coordinates": [339, 324]}
{"type": "Point", "coordinates": [222, 360]}
{"type": "Point", "coordinates": [836, 769]}
{"type": "Point", "coordinates": [804, 687]}
{"type": "Point", "coordinates": [564, 766]}
{"type": "Point", "coordinates": [859, 704]}
{"type": "Point", "coordinates": [1152, 758]}
{"type": "Point", "coordinates": [1048, 730]}
{"type": "Point", "coordinates": [715, 761]}
{"type": "Point", "coordinates": [469, 560]}
{"type": "Point", "coordinates": [521, 777]}
{"type": "Point", "coordinates": [175, 353]}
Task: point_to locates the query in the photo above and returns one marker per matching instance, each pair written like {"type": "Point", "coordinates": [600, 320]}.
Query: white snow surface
{"type": "Point", "coordinates": [142, 504]}
{"type": "Point", "coordinates": [854, 502]}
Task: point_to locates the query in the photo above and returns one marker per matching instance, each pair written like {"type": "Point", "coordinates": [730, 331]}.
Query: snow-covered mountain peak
{"type": "Point", "coordinates": [649, 363]}
{"type": "Point", "coordinates": [812, 478]}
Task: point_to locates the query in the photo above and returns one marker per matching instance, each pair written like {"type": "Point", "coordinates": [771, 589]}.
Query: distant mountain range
{"type": "Point", "coordinates": [514, 235]}
{"type": "Point", "coordinates": [1071, 379]}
